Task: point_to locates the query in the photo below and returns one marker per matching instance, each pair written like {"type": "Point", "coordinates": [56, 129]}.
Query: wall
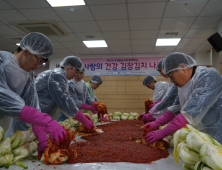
{"type": "Point", "coordinates": [124, 93]}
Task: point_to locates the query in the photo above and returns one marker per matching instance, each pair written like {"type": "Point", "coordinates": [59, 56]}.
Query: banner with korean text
{"type": "Point", "coordinates": [121, 66]}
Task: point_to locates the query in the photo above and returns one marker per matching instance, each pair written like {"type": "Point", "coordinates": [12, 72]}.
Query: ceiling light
{"type": "Point", "coordinates": [96, 43]}
{"type": "Point", "coordinates": [18, 44]}
{"type": "Point", "coordinates": [58, 3]}
{"type": "Point", "coordinates": [168, 41]}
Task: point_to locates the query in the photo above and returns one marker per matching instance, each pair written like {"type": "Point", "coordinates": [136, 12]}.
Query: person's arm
{"type": "Point", "coordinates": [168, 98]}
{"type": "Point", "coordinates": [60, 94]}
{"type": "Point", "coordinates": [160, 91]}
{"type": "Point", "coordinates": [203, 97]}
{"type": "Point", "coordinates": [73, 94]}
{"type": "Point", "coordinates": [11, 103]}
{"type": "Point", "coordinates": [175, 108]}
{"type": "Point", "coordinates": [89, 100]}
{"type": "Point", "coordinates": [29, 94]}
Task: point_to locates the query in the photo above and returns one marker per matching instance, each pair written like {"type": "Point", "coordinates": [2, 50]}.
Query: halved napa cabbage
{"type": "Point", "coordinates": [211, 155]}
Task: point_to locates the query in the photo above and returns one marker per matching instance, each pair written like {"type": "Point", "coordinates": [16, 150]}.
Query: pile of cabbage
{"type": "Point", "coordinates": [197, 150]}
{"type": "Point", "coordinates": [15, 148]}
{"type": "Point", "coordinates": [123, 116]}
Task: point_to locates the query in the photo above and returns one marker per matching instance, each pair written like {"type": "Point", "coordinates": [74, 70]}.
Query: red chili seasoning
{"type": "Point", "coordinates": [33, 161]}
{"type": "Point", "coordinates": [116, 144]}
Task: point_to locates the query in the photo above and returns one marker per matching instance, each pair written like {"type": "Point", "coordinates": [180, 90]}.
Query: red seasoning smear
{"type": "Point", "coordinates": [117, 144]}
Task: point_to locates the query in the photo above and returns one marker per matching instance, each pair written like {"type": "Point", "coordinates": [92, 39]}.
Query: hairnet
{"type": "Point", "coordinates": [159, 64]}
{"type": "Point", "coordinates": [37, 44]}
{"type": "Point", "coordinates": [73, 61]}
{"type": "Point", "coordinates": [96, 79]}
{"type": "Point", "coordinates": [148, 79]}
{"type": "Point", "coordinates": [172, 62]}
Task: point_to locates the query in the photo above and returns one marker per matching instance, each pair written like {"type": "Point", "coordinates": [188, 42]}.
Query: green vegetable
{"type": "Point", "coordinates": [6, 159]}
{"type": "Point", "coordinates": [131, 118]}
{"type": "Point", "coordinates": [196, 139]}
{"type": "Point", "coordinates": [21, 165]}
{"type": "Point", "coordinates": [116, 117]}
{"type": "Point", "coordinates": [133, 114]}
{"type": "Point", "coordinates": [211, 155]}
{"type": "Point", "coordinates": [117, 113]}
{"type": "Point", "coordinates": [30, 136]}
{"type": "Point", "coordinates": [186, 154]}
{"type": "Point", "coordinates": [5, 146]}
{"type": "Point", "coordinates": [201, 166]}
{"type": "Point", "coordinates": [126, 114]}
{"type": "Point", "coordinates": [123, 117]}
{"type": "Point", "coordinates": [32, 157]}
{"type": "Point", "coordinates": [18, 139]}
{"type": "Point", "coordinates": [1, 133]}
{"type": "Point", "coordinates": [24, 151]}
{"type": "Point", "coordinates": [188, 166]}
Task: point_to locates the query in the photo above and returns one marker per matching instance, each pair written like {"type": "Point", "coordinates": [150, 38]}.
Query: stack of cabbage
{"type": "Point", "coordinates": [74, 124]}
{"type": "Point", "coordinates": [197, 150]}
{"type": "Point", "coordinates": [123, 116]}
{"type": "Point", "coordinates": [16, 147]}
{"type": "Point", "coordinates": [70, 123]}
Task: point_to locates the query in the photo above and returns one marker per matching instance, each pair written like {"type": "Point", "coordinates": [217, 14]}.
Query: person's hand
{"type": "Point", "coordinates": [151, 105]}
{"type": "Point", "coordinates": [56, 131]}
{"type": "Point", "coordinates": [103, 118]}
{"type": "Point", "coordinates": [84, 119]}
{"type": "Point", "coordinates": [148, 118]}
{"type": "Point", "coordinates": [41, 135]}
{"type": "Point", "coordinates": [177, 123]}
{"type": "Point", "coordinates": [94, 110]}
{"type": "Point", "coordinates": [88, 107]}
{"type": "Point", "coordinates": [41, 148]}
{"type": "Point", "coordinates": [155, 135]}
{"type": "Point", "coordinates": [149, 127]}
{"type": "Point", "coordinates": [33, 116]}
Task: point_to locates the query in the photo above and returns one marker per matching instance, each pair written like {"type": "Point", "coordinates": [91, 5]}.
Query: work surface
{"type": "Point", "coordinates": [164, 163]}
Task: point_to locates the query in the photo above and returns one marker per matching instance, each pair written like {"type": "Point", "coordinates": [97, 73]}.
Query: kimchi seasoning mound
{"type": "Point", "coordinates": [116, 144]}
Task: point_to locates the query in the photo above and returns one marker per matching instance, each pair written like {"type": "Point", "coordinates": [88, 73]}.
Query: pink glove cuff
{"type": "Point", "coordinates": [157, 101]}
{"type": "Point", "coordinates": [177, 123]}
{"type": "Point", "coordinates": [148, 118]}
{"type": "Point", "coordinates": [165, 118]}
{"type": "Point", "coordinates": [33, 116]}
{"type": "Point", "coordinates": [81, 117]}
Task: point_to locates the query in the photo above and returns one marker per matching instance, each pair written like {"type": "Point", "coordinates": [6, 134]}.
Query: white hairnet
{"type": "Point", "coordinates": [96, 79]}
{"type": "Point", "coordinates": [159, 64]}
{"type": "Point", "coordinates": [172, 62]}
{"type": "Point", "coordinates": [37, 44]}
{"type": "Point", "coordinates": [148, 79]}
{"type": "Point", "coordinates": [73, 61]}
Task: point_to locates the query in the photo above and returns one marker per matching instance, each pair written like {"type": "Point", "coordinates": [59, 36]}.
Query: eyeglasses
{"type": "Point", "coordinates": [40, 62]}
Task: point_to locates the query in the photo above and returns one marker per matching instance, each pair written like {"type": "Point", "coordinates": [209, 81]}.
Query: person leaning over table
{"type": "Point", "coordinates": [160, 89]}
{"type": "Point", "coordinates": [18, 97]}
{"type": "Point", "coordinates": [159, 108]}
{"type": "Point", "coordinates": [92, 85]}
{"type": "Point", "coordinates": [199, 99]}
{"type": "Point", "coordinates": [79, 93]}
{"type": "Point", "coordinates": [53, 92]}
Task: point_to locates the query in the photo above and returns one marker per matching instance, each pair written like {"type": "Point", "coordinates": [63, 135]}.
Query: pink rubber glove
{"type": "Point", "coordinates": [84, 119]}
{"type": "Point", "coordinates": [142, 114]}
{"type": "Point", "coordinates": [177, 123]}
{"type": "Point", "coordinates": [103, 118]}
{"type": "Point", "coordinates": [162, 120]}
{"type": "Point", "coordinates": [87, 107]}
{"type": "Point", "coordinates": [148, 118]}
{"type": "Point", "coordinates": [150, 106]}
{"type": "Point", "coordinates": [41, 135]}
{"type": "Point", "coordinates": [33, 116]}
